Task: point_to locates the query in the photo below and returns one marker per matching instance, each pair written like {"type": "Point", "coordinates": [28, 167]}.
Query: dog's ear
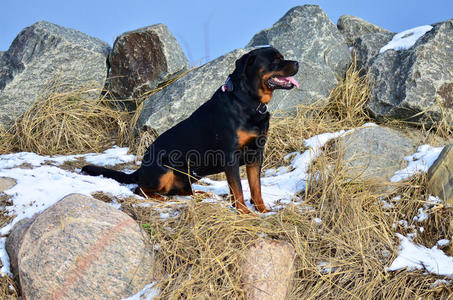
{"type": "Point", "coordinates": [241, 66]}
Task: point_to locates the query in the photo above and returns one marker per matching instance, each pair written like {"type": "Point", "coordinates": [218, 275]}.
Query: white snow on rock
{"type": "Point", "coordinates": [110, 157]}
{"type": "Point", "coordinates": [5, 270]}
{"type": "Point", "coordinates": [420, 162]}
{"type": "Point", "coordinates": [406, 39]}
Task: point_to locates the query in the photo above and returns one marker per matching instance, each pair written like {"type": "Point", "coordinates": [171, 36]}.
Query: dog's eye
{"type": "Point", "coordinates": [277, 61]}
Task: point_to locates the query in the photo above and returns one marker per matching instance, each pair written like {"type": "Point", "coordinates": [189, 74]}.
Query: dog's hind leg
{"type": "Point", "coordinates": [148, 194]}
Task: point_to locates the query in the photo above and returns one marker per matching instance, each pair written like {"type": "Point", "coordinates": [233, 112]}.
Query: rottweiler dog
{"type": "Point", "coordinates": [224, 133]}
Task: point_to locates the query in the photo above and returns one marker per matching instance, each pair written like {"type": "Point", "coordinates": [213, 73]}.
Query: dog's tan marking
{"type": "Point", "coordinates": [166, 182]}
{"type": "Point", "coordinates": [264, 92]}
{"type": "Point", "coordinates": [245, 136]}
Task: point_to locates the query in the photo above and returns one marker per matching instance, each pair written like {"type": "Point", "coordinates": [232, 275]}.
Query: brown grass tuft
{"type": "Point", "coordinates": [6, 141]}
{"type": "Point", "coordinates": [347, 100]}
{"type": "Point", "coordinates": [66, 123]}
{"type": "Point", "coordinates": [8, 288]}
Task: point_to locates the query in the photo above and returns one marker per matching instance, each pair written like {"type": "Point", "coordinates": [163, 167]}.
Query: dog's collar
{"type": "Point", "coordinates": [228, 85]}
{"type": "Point", "coordinates": [262, 108]}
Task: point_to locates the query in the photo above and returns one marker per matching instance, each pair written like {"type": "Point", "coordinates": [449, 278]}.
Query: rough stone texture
{"type": "Point", "coordinates": [440, 175]}
{"type": "Point", "coordinates": [367, 46]}
{"type": "Point", "coordinates": [43, 53]}
{"type": "Point", "coordinates": [267, 270]}
{"type": "Point", "coordinates": [306, 34]}
{"type": "Point", "coordinates": [6, 183]}
{"type": "Point", "coordinates": [143, 58]}
{"type": "Point", "coordinates": [375, 153]}
{"type": "Point", "coordinates": [412, 81]}
{"type": "Point", "coordinates": [81, 248]}
{"type": "Point", "coordinates": [14, 241]}
{"type": "Point", "coordinates": [176, 102]}
{"type": "Point", "coordinates": [353, 27]}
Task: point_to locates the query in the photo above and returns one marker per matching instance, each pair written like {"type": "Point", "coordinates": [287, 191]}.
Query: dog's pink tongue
{"type": "Point", "coordinates": [293, 81]}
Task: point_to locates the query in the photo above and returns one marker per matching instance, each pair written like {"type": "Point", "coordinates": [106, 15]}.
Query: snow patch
{"type": "Point", "coordinates": [110, 157]}
{"type": "Point", "coordinates": [443, 243]}
{"type": "Point", "coordinates": [5, 270]}
{"type": "Point", "coordinates": [406, 39]}
{"type": "Point", "coordinates": [414, 256]}
{"type": "Point", "coordinates": [420, 162]}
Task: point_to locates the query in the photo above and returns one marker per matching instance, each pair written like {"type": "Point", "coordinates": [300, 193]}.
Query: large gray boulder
{"type": "Point", "coordinates": [416, 84]}
{"type": "Point", "coordinates": [353, 27]}
{"type": "Point", "coordinates": [367, 46]}
{"type": "Point", "coordinates": [176, 102]}
{"type": "Point", "coordinates": [143, 58]}
{"type": "Point", "coordinates": [80, 248]}
{"type": "Point", "coordinates": [42, 53]}
{"type": "Point", "coordinates": [306, 34]}
{"type": "Point", "coordinates": [374, 153]}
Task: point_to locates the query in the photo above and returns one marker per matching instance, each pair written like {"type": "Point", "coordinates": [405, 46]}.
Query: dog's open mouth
{"type": "Point", "coordinates": [278, 82]}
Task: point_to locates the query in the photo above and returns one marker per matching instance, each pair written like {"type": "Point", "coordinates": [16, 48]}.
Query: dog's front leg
{"type": "Point", "coordinates": [253, 176]}
{"type": "Point", "coordinates": [234, 182]}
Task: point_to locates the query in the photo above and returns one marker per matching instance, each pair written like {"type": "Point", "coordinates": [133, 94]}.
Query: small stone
{"type": "Point", "coordinates": [267, 270]}
{"type": "Point", "coordinates": [6, 183]}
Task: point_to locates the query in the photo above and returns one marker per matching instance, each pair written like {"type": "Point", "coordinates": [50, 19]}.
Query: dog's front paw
{"type": "Point", "coordinates": [263, 210]}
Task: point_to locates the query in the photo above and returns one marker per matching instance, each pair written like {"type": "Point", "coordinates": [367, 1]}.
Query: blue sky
{"type": "Point", "coordinates": [206, 28]}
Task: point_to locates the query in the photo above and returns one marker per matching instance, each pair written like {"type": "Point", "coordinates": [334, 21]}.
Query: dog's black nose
{"type": "Point", "coordinates": [295, 65]}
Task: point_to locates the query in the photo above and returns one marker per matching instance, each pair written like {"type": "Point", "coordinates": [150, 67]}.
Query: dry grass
{"type": "Point", "coordinates": [8, 288]}
{"type": "Point", "coordinates": [346, 102]}
{"type": "Point", "coordinates": [66, 123]}
{"type": "Point", "coordinates": [6, 138]}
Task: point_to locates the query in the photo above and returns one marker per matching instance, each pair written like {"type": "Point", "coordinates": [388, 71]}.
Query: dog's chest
{"type": "Point", "coordinates": [250, 130]}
